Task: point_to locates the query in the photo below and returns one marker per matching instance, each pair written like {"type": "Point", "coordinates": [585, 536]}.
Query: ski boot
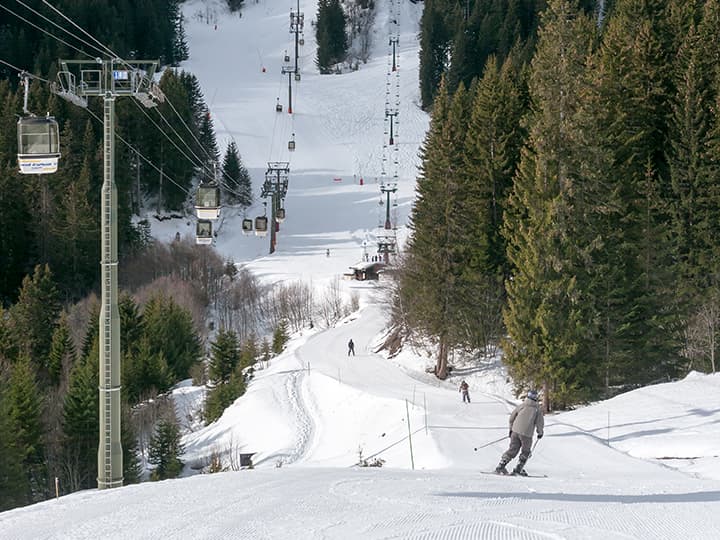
{"type": "Point", "coordinates": [519, 471]}
{"type": "Point", "coordinates": [500, 469]}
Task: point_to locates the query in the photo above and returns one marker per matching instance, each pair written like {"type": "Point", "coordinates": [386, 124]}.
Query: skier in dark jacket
{"type": "Point", "coordinates": [465, 391]}
{"type": "Point", "coordinates": [526, 418]}
{"type": "Point", "coordinates": [351, 348]}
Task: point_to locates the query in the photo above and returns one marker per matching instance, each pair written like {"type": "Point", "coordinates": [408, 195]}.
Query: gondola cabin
{"type": "Point", "coordinates": [301, 41]}
{"type": "Point", "coordinates": [38, 145]}
{"type": "Point", "coordinates": [280, 215]}
{"type": "Point", "coordinates": [203, 233]}
{"type": "Point", "coordinates": [207, 202]}
{"type": "Point", "coordinates": [261, 225]}
{"type": "Point", "coordinates": [291, 144]}
{"type": "Point", "coordinates": [247, 226]}
{"type": "Point", "coordinates": [297, 76]}
{"type": "Point", "coordinates": [278, 106]}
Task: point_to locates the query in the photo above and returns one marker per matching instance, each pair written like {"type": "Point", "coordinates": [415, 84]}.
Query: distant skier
{"type": "Point", "coordinates": [351, 348]}
{"type": "Point", "coordinates": [465, 391]}
{"type": "Point", "coordinates": [526, 418]}
{"type": "Point", "coordinates": [327, 252]}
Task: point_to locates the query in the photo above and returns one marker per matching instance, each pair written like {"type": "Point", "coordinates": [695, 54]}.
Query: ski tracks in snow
{"type": "Point", "coordinates": [300, 406]}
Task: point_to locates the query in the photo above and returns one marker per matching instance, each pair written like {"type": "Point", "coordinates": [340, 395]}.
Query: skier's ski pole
{"type": "Point", "coordinates": [488, 444]}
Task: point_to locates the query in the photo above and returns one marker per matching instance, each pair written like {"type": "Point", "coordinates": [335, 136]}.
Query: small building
{"type": "Point", "coordinates": [366, 270]}
{"type": "Point", "coordinates": [246, 461]}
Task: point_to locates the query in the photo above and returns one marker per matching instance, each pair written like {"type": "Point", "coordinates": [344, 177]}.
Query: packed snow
{"type": "Point", "coordinates": [642, 465]}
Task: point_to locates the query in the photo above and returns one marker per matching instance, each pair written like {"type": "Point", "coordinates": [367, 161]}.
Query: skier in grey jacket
{"type": "Point", "coordinates": [526, 418]}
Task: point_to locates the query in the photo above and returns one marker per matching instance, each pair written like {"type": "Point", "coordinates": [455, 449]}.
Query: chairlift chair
{"type": "Point", "coordinates": [203, 232]}
{"type": "Point", "coordinates": [207, 201]}
{"type": "Point", "coordinates": [38, 145]}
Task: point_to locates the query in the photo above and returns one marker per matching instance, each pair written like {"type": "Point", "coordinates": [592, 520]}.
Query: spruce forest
{"type": "Point", "coordinates": [568, 206]}
{"type": "Point", "coordinates": [566, 213]}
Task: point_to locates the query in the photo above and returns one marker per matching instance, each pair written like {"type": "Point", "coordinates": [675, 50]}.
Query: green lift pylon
{"type": "Point", "coordinates": [77, 80]}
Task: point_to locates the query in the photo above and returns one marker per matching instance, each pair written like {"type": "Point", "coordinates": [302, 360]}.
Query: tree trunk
{"type": "Point", "coordinates": [441, 371]}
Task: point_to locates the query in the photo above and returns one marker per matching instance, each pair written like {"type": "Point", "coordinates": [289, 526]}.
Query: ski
{"type": "Point", "coordinates": [515, 475]}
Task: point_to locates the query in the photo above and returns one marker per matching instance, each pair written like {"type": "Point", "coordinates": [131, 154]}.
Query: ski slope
{"type": "Point", "coordinates": [643, 465]}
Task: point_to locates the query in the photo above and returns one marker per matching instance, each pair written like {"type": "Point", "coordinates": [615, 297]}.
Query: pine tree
{"type": "Point", "coordinates": [23, 410]}
{"type": "Point", "coordinates": [435, 43]}
{"type": "Point", "coordinates": [165, 450]}
{"type": "Point", "coordinates": [80, 424]}
{"type": "Point", "coordinates": [15, 485]}
{"type": "Point", "coordinates": [145, 373]}
{"type": "Point", "coordinates": [330, 35]}
{"type": "Point", "coordinates": [169, 331]}
{"type": "Point", "coordinates": [692, 157]}
{"type": "Point", "coordinates": [236, 177]}
{"type": "Point", "coordinates": [224, 356]}
{"type": "Point", "coordinates": [280, 337]}
{"type": "Point", "coordinates": [635, 294]}
{"type": "Point", "coordinates": [436, 279]}
{"type": "Point", "coordinates": [545, 320]}
{"type": "Point", "coordinates": [35, 315]}
{"type": "Point", "coordinates": [62, 351]}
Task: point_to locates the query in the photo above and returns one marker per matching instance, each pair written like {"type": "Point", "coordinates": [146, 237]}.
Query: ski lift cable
{"type": "Point", "coordinates": [96, 117]}
{"type": "Point", "coordinates": [60, 27]}
{"type": "Point", "coordinates": [68, 19]}
{"type": "Point", "coordinates": [46, 32]}
{"type": "Point", "coordinates": [195, 163]}
{"type": "Point", "coordinates": [189, 148]}
{"type": "Point", "coordinates": [202, 166]}
{"type": "Point", "coordinates": [23, 72]}
{"type": "Point", "coordinates": [116, 56]}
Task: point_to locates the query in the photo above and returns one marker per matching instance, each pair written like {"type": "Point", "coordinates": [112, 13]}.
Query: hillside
{"type": "Point", "coordinates": [641, 465]}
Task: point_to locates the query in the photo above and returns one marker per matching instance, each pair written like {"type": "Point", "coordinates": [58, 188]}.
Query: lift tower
{"type": "Point", "coordinates": [78, 80]}
{"type": "Point", "coordinates": [275, 187]}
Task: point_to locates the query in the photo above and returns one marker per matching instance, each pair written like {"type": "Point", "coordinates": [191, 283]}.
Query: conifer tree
{"type": "Point", "coordinates": [144, 373]}
{"type": "Point", "coordinates": [169, 331]}
{"type": "Point", "coordinates": [330, 34]}
{"type": "Point", "coordinates": [165, 450]}
{"type": "Point", "coordinates": [80, 424]}
{"type": "Point", "coordinates": [436, 279]}
{"type": "Point", "coordinates": [545, 321]}
{"type": "Point", "coordinates": [280, 337]}
{"type": "Point", "coordinates": [35, 315]}
{"type": "Point", "coordinates": [23, 409]}
{"type": "Point", "coordinates": [435, 42]}
{"type": "Point", "coordinates": [693, 156]}
{"type": "Point", "coordinates": [15, 484]}
{"type": "Point", "coordinates": [62, 351]}
{"type": "Point", "coordinates": [224, 356]}
{"type": "Point", "coordinates": [635, 297]}
{"type": "Point", "coordinates": [236, 177]}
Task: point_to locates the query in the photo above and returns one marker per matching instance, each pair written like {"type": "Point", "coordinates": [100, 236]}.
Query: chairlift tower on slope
{"type": "Point", "coordinates": [275, 186]}
{"type": "Point", "coordinates": [109, 79]}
